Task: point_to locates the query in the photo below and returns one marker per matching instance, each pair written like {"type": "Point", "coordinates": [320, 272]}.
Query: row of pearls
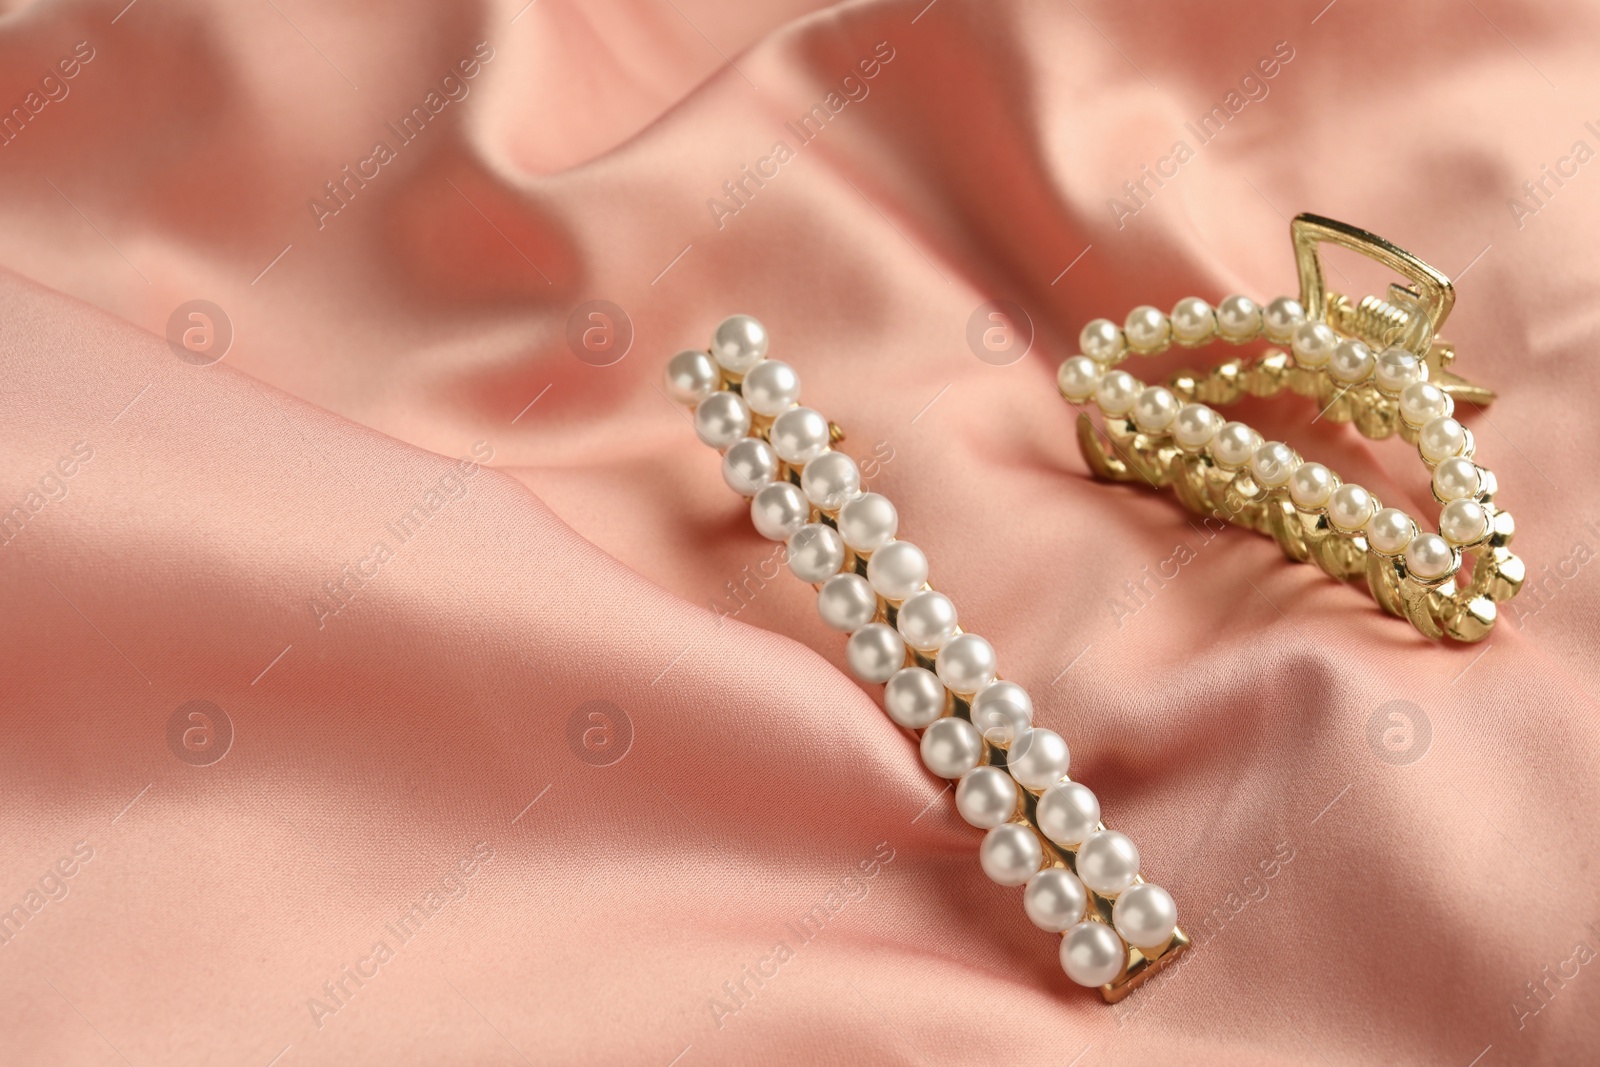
{"type": "Point", "coordinates": [1148, 331]}
{"type": "Point", "coordinates": [1446, 447]}
{"type": "Point", "coordinates": [748, 407]}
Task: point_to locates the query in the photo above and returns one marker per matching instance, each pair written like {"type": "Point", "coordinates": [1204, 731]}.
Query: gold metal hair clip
{"type": "Point", "coordinates": [1378, 363]}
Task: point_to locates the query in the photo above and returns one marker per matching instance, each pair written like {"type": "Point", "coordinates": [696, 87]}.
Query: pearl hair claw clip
{"type": "Point", "coordinates": [1042, 829]}
{"type": "Point", "coordinates": [1380, 364]}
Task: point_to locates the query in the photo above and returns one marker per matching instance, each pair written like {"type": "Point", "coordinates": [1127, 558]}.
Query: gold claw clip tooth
{"type": "Point", "coordinates": [1189, 482]}
{"type": "Point", "coordinates": [1499, 574]}
{"type": "Point", "coordinates": [1119, 453]}
{"type": "Point", "coordinates": [1383, 578]}
{"type": "Point", "coordinates": [1422, 605]}
{"type": "Point", "coordinates": [1097, 453]}
{"type": "Point", "coordinates": [1470, 621]}
{"type": "Point", "coordinates": [1283, 523]}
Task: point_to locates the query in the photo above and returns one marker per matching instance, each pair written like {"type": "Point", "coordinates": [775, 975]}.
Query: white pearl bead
{"type": "Point", "coordinates": [1272, 464]}
{"type": "Point", "coordinates": [1428, 556]}
{"type": "Point", "coordinates": [1462, 522]}
{"type": "Point", "coordinates": [1422, 402]}
{"type": "Point", "coordinates": [1101, 341]}
{"type": "Point", "coordinates": [830, 480]}
{"type": "Point", "coordinates": [926, 620]}
{"type": "Point", "coordinates": [739, 343]}
{"type": "Point", "coordinates": [1455, 479]}
{"type": "Point", "coordinates": [1077, 378]}
{"type": "Point", "coordinates": [721, 419]}
{"type": "Point", "coordinates": [1154, 409]}
{"type": "Point", "coordinates": [914, 697]}
{"type": "Point", "coordinates": [1145, 915]}
{"type": "Point", "coordinates": [875, 652]}
{"type": "Point", "coordinates": [1440, 439]}
{"type": "Point", "coordinates": [987, 797]}
{"type": "Point", "coordinates": [1108, 862]}
{"type": "Point", "coordinates": [1055, 899]}
{"type": "Point", "coordinates": [816, 552]}
{"type": "Point", "coordinates": [1234, 444]}
{"type": "Point", "coordinates": [1092, 954]}
{"type": "Point", "coordinates": [1397, 368]}
{"type": "Point", "coordinates": [770, 387]}
{"type": "Point", "coordinates": [1067, 813]}
{"type": "Point", "coordinates": [1238, 318]}
{"type": "Point", "coordinates": [965, 663]}
{"type": "Point", "coordinates": [748, 465]}
{"type": "Point", "coordinates": [1351, 362]}
{"type": "Point", "coordinates": [951, 747]}
{"type": "Point", "coordinates": [1311, 485]}
{"type": "Point", "coordinates": [1038, 758]}
{"type": "Point", "coordinates": [779, 510]}
{"type": "Point", "coordinates": [1314, 343]}
{"type": "Point", "coordinates": [691, 377]}
{"type": "Point", "coordinates": [1281, 318]}
{"type": "Point", "coordinates": [897, 570]}
{"type": "Point", "coordinates": [1195, 425]}
{"type": "Point", "coordinates": [1147, 329]}
{"type": "Point", "coordinates": [846, 602]}
{"type": "Point", "coordinates": [1390, 531]}
{"type": "Point", "coordinates": [799, 435]}
{"type": "Point", "coordinates": [1116, 392]}
{"type": "Point", "coordinates": [1193, 321]}
{"type": "Point", "coordinates": [1350, 507]}
{"type": "Point", "coordinates": [1002, 711]}
{"type": "Point", "coordinates": [868, 522]}
{"type": "Point", "coordinates": [1010, 853]}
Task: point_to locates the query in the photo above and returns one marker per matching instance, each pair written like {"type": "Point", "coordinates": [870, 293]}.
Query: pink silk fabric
{"type": "Point", "coordinates": [529, 754]}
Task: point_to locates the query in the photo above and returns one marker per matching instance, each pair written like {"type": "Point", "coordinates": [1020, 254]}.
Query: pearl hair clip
{"type": "Point", "coordinates": [1168, 435]}
{"type": "Point", "coordinates": [1043, 829]}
